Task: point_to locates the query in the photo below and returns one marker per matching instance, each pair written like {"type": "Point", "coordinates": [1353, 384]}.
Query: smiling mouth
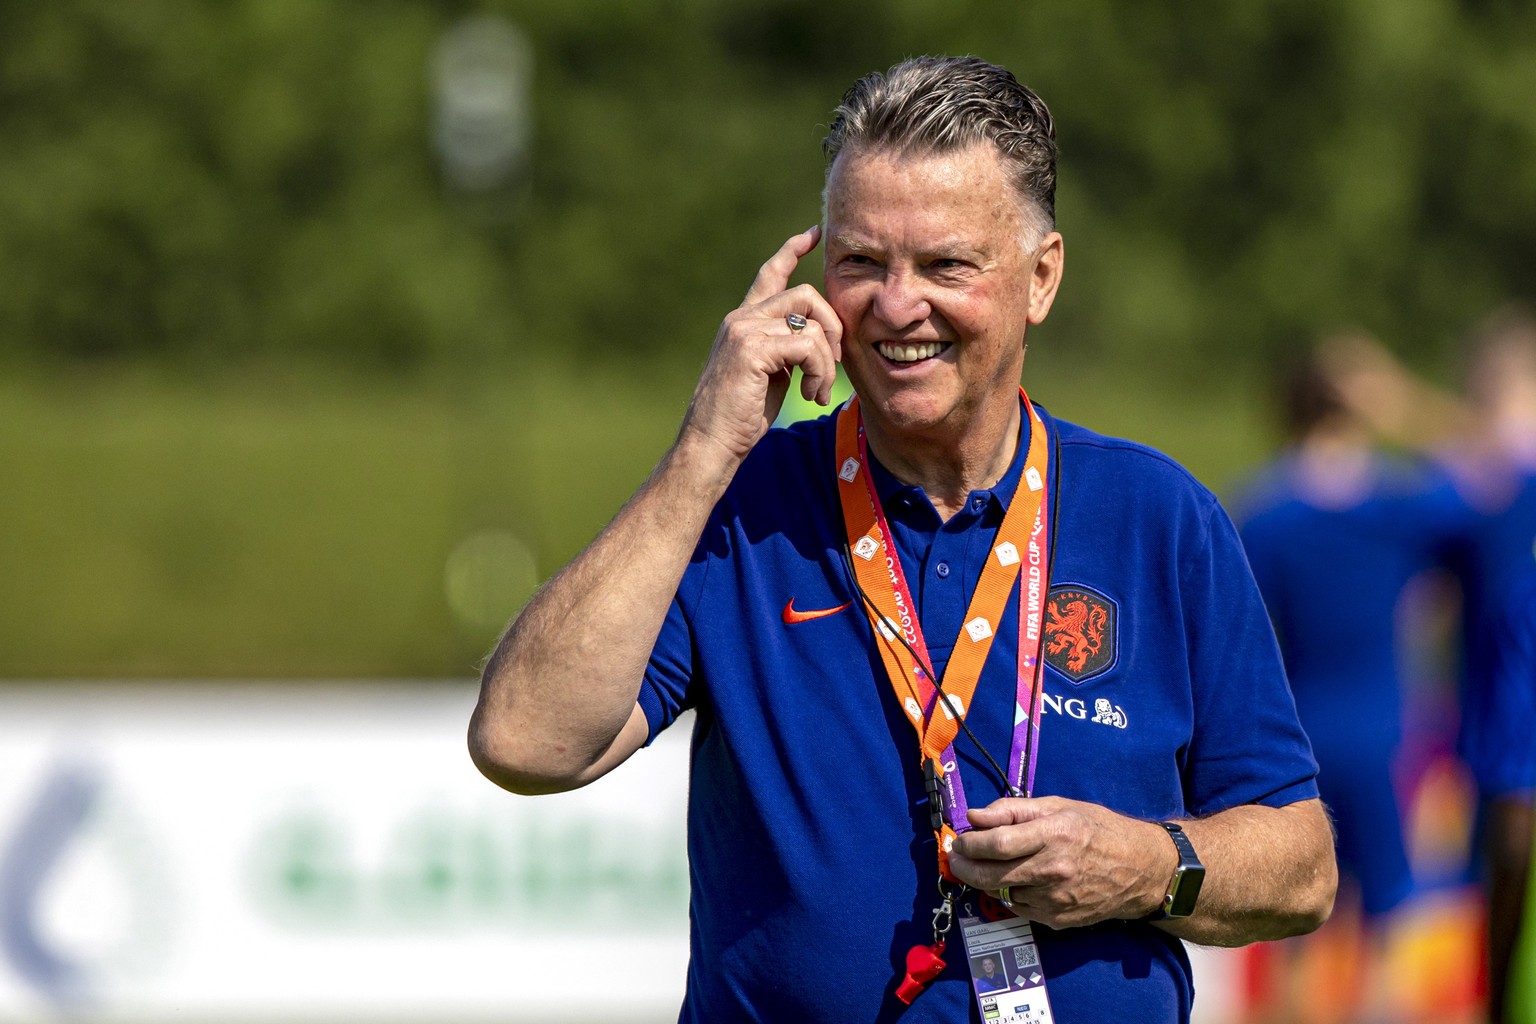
{"type": "Point", "coordinates": [906, 353]}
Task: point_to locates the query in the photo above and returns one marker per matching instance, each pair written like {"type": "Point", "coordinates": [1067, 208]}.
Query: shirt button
{"type": "Point", "coordinates": [943, 570]}
{"type": "Point", "coordinates": [976, 503]}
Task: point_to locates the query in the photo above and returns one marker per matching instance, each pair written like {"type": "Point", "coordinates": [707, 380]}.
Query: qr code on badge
{"type": "Point", "coordinates": [1025, 956]}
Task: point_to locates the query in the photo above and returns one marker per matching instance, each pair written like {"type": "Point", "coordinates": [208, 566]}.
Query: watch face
{"type": "Point", "coordinates": [1186, 890]}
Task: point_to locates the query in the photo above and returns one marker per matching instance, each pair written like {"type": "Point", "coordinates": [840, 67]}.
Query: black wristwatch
{"type": "Point", "coordinates": [1184, 887]}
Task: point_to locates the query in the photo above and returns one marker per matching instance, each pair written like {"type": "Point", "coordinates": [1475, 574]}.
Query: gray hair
{"type": "Point", "coordinates": [941, 104]}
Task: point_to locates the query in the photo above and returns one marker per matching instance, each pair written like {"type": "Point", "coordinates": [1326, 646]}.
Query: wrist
{"type": "Point", "coordinates": [1182, 890]}
{"type": "Point", "coordinates": [1164, 862]}
{"type": "Point", "coordinates": [701, 463]}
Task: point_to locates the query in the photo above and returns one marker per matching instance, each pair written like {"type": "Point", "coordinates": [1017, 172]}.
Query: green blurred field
{"type": "Point", "coordinates": [298, 524]}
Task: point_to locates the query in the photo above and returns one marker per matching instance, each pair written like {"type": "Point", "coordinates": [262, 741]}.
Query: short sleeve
{"type": "Point", "coordinates": [1262, 554]}
{"type": "Point", "coordinates": [665, 692]}
{"type": "Point", "coordinates": [1248, 745]}
{"type": "Point", "coordinates": [668, 687]}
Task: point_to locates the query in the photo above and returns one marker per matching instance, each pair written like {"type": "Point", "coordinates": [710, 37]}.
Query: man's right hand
{"type": "Point", "coordinates": [748, 373]}
{"type": "Point", "coordinates": [558, 697]}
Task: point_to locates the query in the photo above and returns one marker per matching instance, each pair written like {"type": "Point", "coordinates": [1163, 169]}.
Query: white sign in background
{"type": "Point", "coordinates": [327, 852]}
{"type": "Point", "coordinates": [322, 852]}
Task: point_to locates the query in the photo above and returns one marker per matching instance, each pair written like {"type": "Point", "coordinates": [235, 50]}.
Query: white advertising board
{"type": "Point", "coordinates": [322, 853]}
{"type": "Point", "coordinates": [325, 853]}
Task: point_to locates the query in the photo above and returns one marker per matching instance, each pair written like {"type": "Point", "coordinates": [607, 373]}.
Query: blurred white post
{"type": "Point", "coordinates": [482, 72]}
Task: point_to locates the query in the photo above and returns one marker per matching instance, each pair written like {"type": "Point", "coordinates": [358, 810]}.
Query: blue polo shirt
{"type": "Point", "coordinates": [812, 862]}
{"type": "Point", "coordinates": [1334, 579]}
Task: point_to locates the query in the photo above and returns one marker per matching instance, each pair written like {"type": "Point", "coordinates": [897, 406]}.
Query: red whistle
{"type": "Point", "coordinates": [923, 965]}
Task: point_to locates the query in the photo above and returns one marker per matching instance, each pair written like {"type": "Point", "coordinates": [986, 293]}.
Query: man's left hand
{"type": "Point", "coordinates": [1066, 863]}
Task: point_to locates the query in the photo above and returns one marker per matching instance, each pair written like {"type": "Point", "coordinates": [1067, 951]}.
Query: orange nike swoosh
{"type": "Point", "coordinates": [791, 616]}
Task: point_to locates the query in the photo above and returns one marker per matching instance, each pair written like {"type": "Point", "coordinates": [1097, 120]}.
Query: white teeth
{"type": "Point", "coordinates": [899, 353]}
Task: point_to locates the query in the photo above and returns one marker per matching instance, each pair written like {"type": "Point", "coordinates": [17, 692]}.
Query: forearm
{"type": "Point", "coordinates": [558, 696]}
{"type": "Point", "coordinates": [1399, 406]}
{"type": "Point", "coordinates": [1270, 873]}
{"type": "Point", "coordinates": [561, 685]}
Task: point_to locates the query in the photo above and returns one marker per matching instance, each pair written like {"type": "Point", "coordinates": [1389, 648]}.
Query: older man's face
{"type": "Point", "coordinates": [931, 266]}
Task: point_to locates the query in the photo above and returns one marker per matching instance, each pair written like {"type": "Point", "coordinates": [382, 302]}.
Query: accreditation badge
{"type": "Point", "coordinates": [1006, 976]}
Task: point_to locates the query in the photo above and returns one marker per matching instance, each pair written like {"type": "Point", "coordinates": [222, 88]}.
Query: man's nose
{"type": "Point", "coordinates": [900, 301]}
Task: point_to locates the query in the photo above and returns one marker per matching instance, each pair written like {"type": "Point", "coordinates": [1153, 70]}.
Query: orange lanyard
{"type": "Point", "coordinates": [894, 616]}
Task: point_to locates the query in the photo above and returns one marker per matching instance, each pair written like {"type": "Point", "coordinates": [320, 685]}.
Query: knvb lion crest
{"type": "Point", "coordinates": [1080, 632]}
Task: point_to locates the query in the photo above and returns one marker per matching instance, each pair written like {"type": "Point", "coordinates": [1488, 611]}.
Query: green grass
{"type": "Point", "coordinates": [277, 526]}
{"type": "Point", "coordinates": [287, 524]}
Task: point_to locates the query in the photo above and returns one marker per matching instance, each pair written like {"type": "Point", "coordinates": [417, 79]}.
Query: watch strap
{"type": "Point", "coordinates": [1188, 877]}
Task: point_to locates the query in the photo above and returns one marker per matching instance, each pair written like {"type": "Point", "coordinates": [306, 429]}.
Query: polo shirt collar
{"type": "Point", "coordinates": [1000, 494]}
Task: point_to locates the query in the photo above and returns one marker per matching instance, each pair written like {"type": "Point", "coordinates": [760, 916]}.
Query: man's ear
{"type": "Point", "coordinates": [1045, 278]}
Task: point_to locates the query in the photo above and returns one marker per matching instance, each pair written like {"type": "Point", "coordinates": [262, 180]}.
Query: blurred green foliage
{"type": "Point", "coordinates": [266, 367]}
{"type": "Point", "coordinates": [215, 180]}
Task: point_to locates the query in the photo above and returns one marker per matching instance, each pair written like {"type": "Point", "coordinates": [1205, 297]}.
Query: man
{"type": "Point", "coordinates": [987, 978]}
{"type": "Point", "coordinates": [834, 864]}
{"type": "Point", "coordinates": [1332, 507]}
{"type": "Point", "coordinates": [1342, 539]}
{"type": "Point", "coordinates": [1487, 444]}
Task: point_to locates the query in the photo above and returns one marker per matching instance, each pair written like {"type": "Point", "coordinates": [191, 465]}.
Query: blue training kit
{"type": "Point", "coordinates": [813, 864]}
{"type": "Point", "coordinates": [1334, 581]}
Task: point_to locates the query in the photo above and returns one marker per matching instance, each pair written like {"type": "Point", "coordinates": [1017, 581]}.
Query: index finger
{"type": "Point", "coordinates": [1014, 810]}
{"type": "Point", "coordinates": [1002, 842]}
{"type": "Point", "coordinates": [773, 277]}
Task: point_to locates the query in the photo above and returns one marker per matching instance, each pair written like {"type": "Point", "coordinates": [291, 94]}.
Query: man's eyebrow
{"type": "Point", "coordinates": [954, 250]}
{"type": "Point", "coordinates": [844, 241]}
{"type": "Point", "coordinates": [943, 250]}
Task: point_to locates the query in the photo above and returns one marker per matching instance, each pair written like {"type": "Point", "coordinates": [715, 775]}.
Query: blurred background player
{"type": "Point", "coordinates": [1343, 540]}
{"type": "Point", "coordinates": [1487, 445]}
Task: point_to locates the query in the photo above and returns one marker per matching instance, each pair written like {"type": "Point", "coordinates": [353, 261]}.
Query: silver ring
{"type": "Point", "coordinates": [796, 322]}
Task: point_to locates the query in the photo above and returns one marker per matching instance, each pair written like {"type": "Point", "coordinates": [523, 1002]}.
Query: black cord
{"type": "Point", "coordinates": [870, 604]}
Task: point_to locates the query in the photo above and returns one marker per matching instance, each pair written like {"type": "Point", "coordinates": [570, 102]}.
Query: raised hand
{"type": "Point", "coordinates": [748, 373]}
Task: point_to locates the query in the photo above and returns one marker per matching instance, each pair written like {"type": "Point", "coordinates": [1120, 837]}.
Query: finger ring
{"type": "Point", "coordinates": [796, 322]}
{"type": "Point", "coordinates": [1002, 897]}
